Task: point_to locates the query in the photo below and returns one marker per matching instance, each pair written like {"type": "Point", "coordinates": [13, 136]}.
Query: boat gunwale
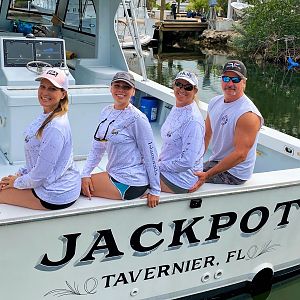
{"type": "Point", "coordinates": [219, 190]}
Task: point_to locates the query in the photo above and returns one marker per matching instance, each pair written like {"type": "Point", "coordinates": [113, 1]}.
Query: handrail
{"type": "Point", "coordinates": [133, 29]}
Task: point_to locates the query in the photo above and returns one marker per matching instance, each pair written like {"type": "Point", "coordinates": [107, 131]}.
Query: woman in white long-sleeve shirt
{"type": "Point", "coordinates": [49, 179]}
{"type": "Point", "coordinates": [125, 134]}
{"type": "Point", "coordinates": [183, 138]}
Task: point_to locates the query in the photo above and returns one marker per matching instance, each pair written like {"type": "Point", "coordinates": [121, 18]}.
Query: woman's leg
{"type": "Point", "coordinates": [103, 187]}
{"type": "Point", "coordinates": [23, 198]}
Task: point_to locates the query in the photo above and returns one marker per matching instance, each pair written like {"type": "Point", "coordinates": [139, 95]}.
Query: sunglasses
{"type": "Point", "coordinates": [105, 134]}
{"type": "Point", "coordinates": [187, 87]}
{"type": "Point", "coordinates": [124, 87]}
{"type": "Point", "coordinates": [235, 79]}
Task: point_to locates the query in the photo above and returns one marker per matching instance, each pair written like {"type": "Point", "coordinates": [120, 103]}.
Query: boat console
{"type": "Point", "coordinates": [22, 58]}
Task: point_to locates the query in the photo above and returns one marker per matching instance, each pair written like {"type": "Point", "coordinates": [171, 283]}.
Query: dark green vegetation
{"type": "Point", "coordinates": [276, 91]}
{"type": "Point", "coordinates": [271, 29]}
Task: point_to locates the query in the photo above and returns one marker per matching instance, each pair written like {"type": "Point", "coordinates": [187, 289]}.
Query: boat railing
{"type": "Point", "coordinates": [133, 28]}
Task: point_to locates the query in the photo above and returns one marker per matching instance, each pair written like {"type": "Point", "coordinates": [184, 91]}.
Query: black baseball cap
{"type": "Point", "coordinates": [237, 67]}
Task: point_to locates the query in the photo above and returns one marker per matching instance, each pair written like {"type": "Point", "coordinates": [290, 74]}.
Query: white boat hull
{"type": "Point", "coordinates": [103, 248]}
{"type": "Point", "coordinates": [127, 42]}
{"type": "Point", "coordinates": [240, 8]}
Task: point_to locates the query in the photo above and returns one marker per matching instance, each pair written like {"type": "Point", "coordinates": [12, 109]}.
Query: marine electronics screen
{"type": "Point", "coordinates": [50, 52]}
{"type": "Point", "coordinates": [17, 53]}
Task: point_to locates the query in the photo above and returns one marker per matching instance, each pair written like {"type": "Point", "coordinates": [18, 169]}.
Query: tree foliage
{"type": "Point", "coordinates": [150, 4]}
{"type": "Point", "coordinates": [271, 28]}
{"type": "Point", "coordinates": [203, 5]}
{"type": "Point", "coordinates": [198, 5]}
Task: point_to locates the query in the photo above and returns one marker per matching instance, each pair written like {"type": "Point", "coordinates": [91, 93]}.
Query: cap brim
{"type": "Point", "coordinates": [124, 80]}
{"type": "Point", "coordinates": [236, 72]}
{"type": "Point", "coordinates": [186, 79]}
{"type": "Point", "coordinates": [51, 80]}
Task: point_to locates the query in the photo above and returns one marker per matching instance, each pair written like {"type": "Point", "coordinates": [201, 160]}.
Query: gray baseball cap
{"type": "Point", "coordinates": [124, 76]}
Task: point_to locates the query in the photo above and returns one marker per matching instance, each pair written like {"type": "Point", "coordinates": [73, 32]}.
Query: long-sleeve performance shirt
{"type": "Point", "coordinates": [183, 145]}
{"type": "Point", "coordinates": [49, 168]}
{"type": "Point", "coordinates": [132, 155]}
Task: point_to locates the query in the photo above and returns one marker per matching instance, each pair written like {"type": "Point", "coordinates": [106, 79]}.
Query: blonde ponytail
{"type": "Point", "coordinates": [60, 110]}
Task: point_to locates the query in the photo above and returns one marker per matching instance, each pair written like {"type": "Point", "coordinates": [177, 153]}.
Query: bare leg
{"type": "Point", "coordinates": [103, 187]}
{"type": "Point", "coordinates": [165, 188]}
{"type": "Point", "coordinates": [23, 198]}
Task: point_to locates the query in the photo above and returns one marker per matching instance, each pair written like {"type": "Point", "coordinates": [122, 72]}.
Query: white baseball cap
{"type": "Point", "coordinates": [188, 76]}
{"type": "Point", "coordinates": [56, 76]}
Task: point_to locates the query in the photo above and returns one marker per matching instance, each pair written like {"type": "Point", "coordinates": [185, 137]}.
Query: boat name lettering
{"type": "Point", "coordinates": [104, 240]}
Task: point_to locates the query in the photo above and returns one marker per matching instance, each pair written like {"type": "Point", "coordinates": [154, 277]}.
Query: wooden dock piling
{"type": "Point", "coordinates": [183, 27]}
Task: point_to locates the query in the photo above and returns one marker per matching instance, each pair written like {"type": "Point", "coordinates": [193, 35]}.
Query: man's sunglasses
{"type": "Point", "coordinates": [187, 87]}
{"type": "Point", "coordinates": [235, 79]}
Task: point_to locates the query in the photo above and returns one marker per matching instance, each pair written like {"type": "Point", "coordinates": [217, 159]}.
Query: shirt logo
{"type": "Point", "coordinates": [224, 120]}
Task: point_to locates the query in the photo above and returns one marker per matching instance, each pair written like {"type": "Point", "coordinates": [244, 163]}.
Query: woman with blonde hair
{"type": "Point", "coordinates": [183, 138]}
{"type": "Point", "coordinates": [49, 179]}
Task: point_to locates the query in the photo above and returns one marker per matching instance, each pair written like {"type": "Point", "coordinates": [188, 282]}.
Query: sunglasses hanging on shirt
{"type": "Point", "coordinates": [104, 139]}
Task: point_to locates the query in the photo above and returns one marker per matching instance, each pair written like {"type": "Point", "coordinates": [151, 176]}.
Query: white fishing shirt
{"type": "Point", "coordinates": [183, 145]}
{"type": "Point", "coordinates": [223, 118]}
{"type": "Point", "coordinates": [49, 167]}
{"type": "Point", "coordinates": [132, 155]}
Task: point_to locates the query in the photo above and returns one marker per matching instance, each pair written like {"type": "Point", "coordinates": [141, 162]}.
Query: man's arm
{"type": "Point", "coordinates": [208, 132]}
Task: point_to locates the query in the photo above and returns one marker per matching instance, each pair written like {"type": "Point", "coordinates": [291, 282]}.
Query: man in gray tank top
{"type": "Point", "coordinates": [232, 126]}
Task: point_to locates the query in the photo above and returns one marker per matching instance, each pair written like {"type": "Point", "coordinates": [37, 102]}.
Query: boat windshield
{"type": "Point", "coordinates": [36, 11]}
{"type": "Point", "coordinates": [81, 16]}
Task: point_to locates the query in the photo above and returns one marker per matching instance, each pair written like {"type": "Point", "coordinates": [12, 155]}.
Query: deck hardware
{"type": "Point", "coordinates": [134, 292]}
{"type": "Point", "coordinates": [2, 121]}
{"type": "Point", "coordinates": [205, 277]}
{"type": "Point", "coordinates": [289, 150]}
{"type": "Point", "coordinates": [218, 274]}
{"type": "Point", "coordinates": [196, 203]}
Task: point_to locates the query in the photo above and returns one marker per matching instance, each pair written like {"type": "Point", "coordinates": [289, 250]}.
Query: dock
{"type": "Point", "coordinates": [169, 30]}
{"type": "Point", "coordinates": [181, 25]}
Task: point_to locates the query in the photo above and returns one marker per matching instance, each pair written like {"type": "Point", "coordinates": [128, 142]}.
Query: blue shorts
{"type": "Point", "coordinates": [129, 192]}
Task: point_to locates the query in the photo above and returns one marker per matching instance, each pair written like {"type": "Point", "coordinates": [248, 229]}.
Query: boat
{"type": "Point", "coordinates": [204, 243]}
{"type": "Point", "coordinates": [240, 7]}
{"type": "Point", "coordinates": [82, 13]}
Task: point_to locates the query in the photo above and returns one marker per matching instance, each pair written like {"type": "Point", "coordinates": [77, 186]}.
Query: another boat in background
{"type": "Point", "coordinates": [240, 8]}
{"type": "Point", "coordinates": [82, 13]}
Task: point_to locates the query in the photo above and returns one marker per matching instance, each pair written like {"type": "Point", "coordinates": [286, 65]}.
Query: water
{"type": "Point", "coordinates": [274, 90]}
